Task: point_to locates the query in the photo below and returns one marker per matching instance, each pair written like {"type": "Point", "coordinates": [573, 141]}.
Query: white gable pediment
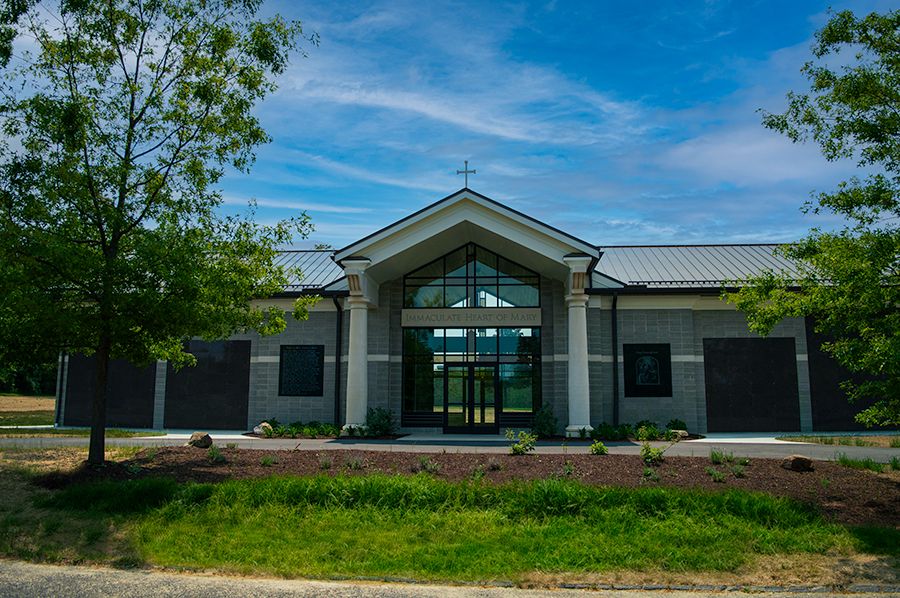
{"type": "Point", "coordinates": [459, 219]}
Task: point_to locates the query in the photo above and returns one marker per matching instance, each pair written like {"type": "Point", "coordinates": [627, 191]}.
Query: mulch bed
{"type": "Point", "coordinates": [840, 494]}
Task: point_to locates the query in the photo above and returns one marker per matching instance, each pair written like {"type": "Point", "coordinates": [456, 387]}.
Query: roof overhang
{"type": "Point", "coordinates": [461, 218]}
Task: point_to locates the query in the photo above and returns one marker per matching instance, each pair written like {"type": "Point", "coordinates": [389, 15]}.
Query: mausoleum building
{"type": "Point", "coordinates": [468, 317]}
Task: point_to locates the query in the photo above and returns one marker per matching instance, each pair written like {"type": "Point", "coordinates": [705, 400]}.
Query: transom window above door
{"type": "Point", "coordinates": [471, 276]}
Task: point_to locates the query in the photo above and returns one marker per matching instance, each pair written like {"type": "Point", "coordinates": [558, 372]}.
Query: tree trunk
{"type": "Point", "coordinates": [97, 450]}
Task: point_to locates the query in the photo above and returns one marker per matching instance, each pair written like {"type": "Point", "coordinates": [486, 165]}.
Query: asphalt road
{"type": "Point", "coordinates": [19, 580]}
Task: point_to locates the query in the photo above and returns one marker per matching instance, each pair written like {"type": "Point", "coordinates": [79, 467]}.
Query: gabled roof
{"type": "Point", "coordinates": [689, 266]}
{"type": "Point", "coordinates": [316, 266]}
{"type": "Point", "coordinates": [463, 194]}
{"type": "Point", "coordinates": [466, 216]}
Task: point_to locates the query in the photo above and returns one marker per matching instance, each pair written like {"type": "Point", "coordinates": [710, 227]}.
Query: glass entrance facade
{"type": "Point", "coordinates": [471, 379]}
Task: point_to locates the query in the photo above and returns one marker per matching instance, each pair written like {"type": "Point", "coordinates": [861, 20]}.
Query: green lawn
{"type": "Point", "coordinates": [425, 529]}
{"type": "Point", "coordinates": [27, 418]}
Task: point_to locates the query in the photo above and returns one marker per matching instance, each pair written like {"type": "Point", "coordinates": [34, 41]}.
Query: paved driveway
{"type": "Point", "coordinates": [741, 445]}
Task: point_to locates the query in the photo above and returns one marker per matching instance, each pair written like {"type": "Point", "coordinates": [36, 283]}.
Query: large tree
{"type": "Point", "coordinates": [118, 119]}
{"type": "Point", "coordinates": [849, 279]}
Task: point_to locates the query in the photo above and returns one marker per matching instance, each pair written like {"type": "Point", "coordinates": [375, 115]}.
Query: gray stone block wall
{"type": "Point", "coordinates": [684, 330]}
{"type": "Point", "coordinates": [555, 349]}
{"type": "Point", "coordinates": [675, 328]}
{"type": "Point", "coordinates": [265, 353]}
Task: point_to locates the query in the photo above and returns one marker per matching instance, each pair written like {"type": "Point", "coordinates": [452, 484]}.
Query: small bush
{"type": "Point", "coordinates": [521, 444]}
{"type": "Point", "coordinates": [647, 433]}
{"type": "Point", "coordinates": [545, 424]}
{"type": "Point", "coordinates": [495, 464]}
{"type": "Point", "coordinates": [650, 454]}
{"type": "Point", "coordinates": [649, 475]}
{"type": "Point", "coordinates": [646, 423]}
{"type": "Point", "coordinates": [215, 455]}
{"type": "Point", "coordinates": [427, 465]}
{"type": "Point", "coordinates": [272, 422]}
{"type": "Point", "coordinates": [598, 448]}
{"type": "Point", "coordinates": [268, 460]}
{"type": "Point", "coordinates": [676, 424]}
{"type": "Point", "coordinates": [895, 463]}
{"type": "Point", "coordinates": [605, 431]}
{"type": "Point", "coordinates": [738, 471]}
{"type": "Point", "coordinates": [743, 461]}
{"type": "Point", "coordinates": [625, 431]}
{"type": "Point", "coordinates": [583, 433]}
{"type": "Point", "coordinates": [380, 422]}
{"type": "Point", "coordinates": [353, 463]}
{"type": "Point", "coordinates": [716, 457]}
{"type": "Point", "coordinates": [231, 445]}
{"type": "Point", "coordinates": [895, 442]}
{"type": "Point", "coordinates": [325, 461]}
{"type": "Point", "coordinates": [717, 476]}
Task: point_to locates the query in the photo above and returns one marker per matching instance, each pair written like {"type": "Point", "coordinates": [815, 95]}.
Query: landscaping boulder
{"type": "Point", "coordinates": [200, 440]}
{"type": "Point", "coordinates": [262, 428]}
{"type": "Point", "coordinates": [797, 463]}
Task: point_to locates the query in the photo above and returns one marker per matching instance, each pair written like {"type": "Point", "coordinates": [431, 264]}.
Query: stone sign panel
{"type": "Point", "coordinates": [477, 317]}
{"type": "Point", "coordinates": [648, 370]}
{"type": "Point", "coordinates": [302, 371]}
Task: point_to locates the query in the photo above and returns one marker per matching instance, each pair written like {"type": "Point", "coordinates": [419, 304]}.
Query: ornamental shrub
{"type": "Point", "coordinates": [545, 424]}
{"type": "Point", "coordinates": [380, 422]}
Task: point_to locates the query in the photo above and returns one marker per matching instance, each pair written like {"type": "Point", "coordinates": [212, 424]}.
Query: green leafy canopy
{"type": "Point", "coordinates": [848, 279]}
{"type": "Point", "coordinates": [116, 128]}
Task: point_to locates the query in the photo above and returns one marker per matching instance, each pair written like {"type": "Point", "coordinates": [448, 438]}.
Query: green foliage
{"type": "Point", "coordinates": [717, 476]}
{"type": "Point", "coordinates": [380, 422]}
{"type": "Point", "coordinates": [848, 279]}
{"type": "Point", "coordinates": [894, 462]}
{"type": "Point", "coordinates": [895, 442]}
{"type": "Point", "coordinates": [545, 424]}
{"type": "Point", "coordinates": [325, 461]}
{"type": "Point", "coordinates": [117, 127]}
{"type": "Point", "coordinates": [738, 471]}
{"type": "Point", "coordinates": [646, 423]}
{"type": "Point", "coordinates": [521, 444]}
{"type": "Point", "coordinates": [215, 455]}
{"type": "Point", "coordinates": [716, 457]}
{"type": "Point", "coordinates": [426, 465]}
{"type": "Point", "coordinates": [647, 433]}
{"type": "Point", "coordinates": [649, 476]}
{"type": "Point", "coordinates": [598, 448]}
{"type": "Point", "coordinates": [867, 463]}
{"type": "Point", "coordinates": [652, 455]}
{"type": "Point", "coordinates": [676, 424]}
{"type": "Point", "coordinates": [268, 460]}
{"type": "Point", "coordinates": [607, 431]}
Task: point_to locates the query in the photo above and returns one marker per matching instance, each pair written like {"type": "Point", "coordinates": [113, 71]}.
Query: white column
{"type": "Point", "coordinates": [579, 388]}
{"type": "Point", "coordinates": [358, 362]}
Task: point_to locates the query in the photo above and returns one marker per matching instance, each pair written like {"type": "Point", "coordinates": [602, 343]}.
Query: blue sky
{"type": "Point", "coordinates": [622, 123]}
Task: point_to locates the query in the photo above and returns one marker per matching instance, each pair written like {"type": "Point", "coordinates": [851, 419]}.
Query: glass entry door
{"type": "Point", "coordinates": [470, 399]}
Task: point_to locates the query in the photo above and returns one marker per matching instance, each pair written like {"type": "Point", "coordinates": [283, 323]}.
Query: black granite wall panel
{"type": "Point", "coordinates": [214, 394]}
{"type": "Point", "coordinates": [129, 393]}
{"type": "Point", "coordinates": [751, 385]}
{"type": "Point", "coordinates": [831, 409]}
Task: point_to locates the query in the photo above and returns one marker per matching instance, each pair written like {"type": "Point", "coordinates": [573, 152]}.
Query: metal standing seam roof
{"type": "Point", "coordinates": [316, 266]}
{"type": "Point", "coordinates": [689, 266]}
{"type": "Point", "coordinates": [656, 266]}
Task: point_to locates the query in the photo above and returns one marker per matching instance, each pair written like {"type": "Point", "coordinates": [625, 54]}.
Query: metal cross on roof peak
{"type": "Point", "coordinates": [466, 172]}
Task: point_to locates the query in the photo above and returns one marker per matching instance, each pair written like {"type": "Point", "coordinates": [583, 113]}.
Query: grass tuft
{"type": "Point", "coordinates": [867, 463]}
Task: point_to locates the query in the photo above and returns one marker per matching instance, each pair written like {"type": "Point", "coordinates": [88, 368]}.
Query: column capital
{"type": "Point", "coordinates": [358, 302]}
{"type": "Point", "coordinates": [577, 300]}
{"type": "Point", "coordinates": [578, 270]}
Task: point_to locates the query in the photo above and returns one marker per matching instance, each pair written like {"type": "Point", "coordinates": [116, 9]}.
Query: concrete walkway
{"type": "Point", "coordinates": [740, 445]}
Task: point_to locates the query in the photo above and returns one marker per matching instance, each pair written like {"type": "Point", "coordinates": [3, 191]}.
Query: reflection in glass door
{"type": "Point", "coordinates": [471, 399]}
